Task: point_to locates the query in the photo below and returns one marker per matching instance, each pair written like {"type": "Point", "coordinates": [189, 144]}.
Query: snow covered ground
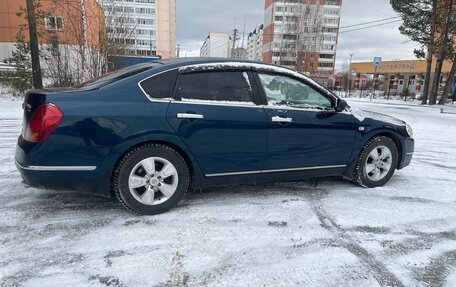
{"type": "Point", "coordinates": [315, 233]}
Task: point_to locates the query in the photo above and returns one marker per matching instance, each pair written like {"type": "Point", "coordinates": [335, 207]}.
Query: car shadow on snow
{"type": "Point", "coordinates": [71, 201]}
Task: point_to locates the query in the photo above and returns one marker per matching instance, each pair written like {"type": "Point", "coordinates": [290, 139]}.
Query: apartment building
{"type": "Point", "coordinates": [255, 44]}
{"type": "Point", "coordinates": [66, 22]}
{"type": "Point", "coordinates": [143, 27]}
{"type": "Point", "coordinates": [217, 45]}
{"type": "Point", "coordinates": [302, 35]}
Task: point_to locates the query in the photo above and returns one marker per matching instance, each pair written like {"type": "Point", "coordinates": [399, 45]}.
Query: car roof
{"type": "Point", "coordinates": [209, 64]}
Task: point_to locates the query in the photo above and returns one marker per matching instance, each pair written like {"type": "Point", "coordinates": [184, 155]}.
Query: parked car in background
{"type": "Point", "coordinates": [149, 132]}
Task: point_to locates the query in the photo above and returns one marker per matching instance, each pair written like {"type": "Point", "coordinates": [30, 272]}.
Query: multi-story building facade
{"type": "Point", "coordinates": [239, 53]}
{"type": "Point", "coordinates": [67, 22]}
{"type": "Point", "coordinates": [217, 45]}
{"type": "Point", "coordinates": [142, 27]}
{"type": "Point", "coordinates": [302, 35]}
{"type": "Point", "coordinates": [70, 37]}
{"type": "Point", "coordinates": [255, 44]}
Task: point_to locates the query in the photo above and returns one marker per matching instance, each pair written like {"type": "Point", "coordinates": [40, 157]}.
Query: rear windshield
{"type": "Point", "coordinates": [116, 75]}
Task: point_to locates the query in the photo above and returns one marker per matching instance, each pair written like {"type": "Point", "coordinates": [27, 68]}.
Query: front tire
{"type": "Point", "coordinates": [377, 162]}
{"type": "Point", "coordinates": [151, 179]}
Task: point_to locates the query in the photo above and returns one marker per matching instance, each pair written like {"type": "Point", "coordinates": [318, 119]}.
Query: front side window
{"type": "Point", "coordinates": [225, 87]}
{"type": "Point", "coordinates": [285, 91]}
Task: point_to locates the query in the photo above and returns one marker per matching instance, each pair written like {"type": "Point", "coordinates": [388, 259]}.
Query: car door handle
{"type": "Point", "coordinates": [189, 116]}
{"type": "Point", "coordinates": [282, 120]}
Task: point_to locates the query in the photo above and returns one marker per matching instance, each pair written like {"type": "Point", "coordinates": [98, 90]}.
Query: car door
{"type": "Point", "coordinates": [305, 131]}
{"type": "Point", "coordinates": [216, 115]}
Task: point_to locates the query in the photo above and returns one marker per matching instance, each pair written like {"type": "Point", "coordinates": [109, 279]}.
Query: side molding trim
{"type": "Point", "coordinates": [276, 170]}
{"type": "Point", "coordinates": [57, 168]}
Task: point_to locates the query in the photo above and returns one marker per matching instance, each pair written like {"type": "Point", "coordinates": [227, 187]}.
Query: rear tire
{"type": "Point", "coordinates": [151, 179]}
{"type": "Point", "coordinates": [377, 162]}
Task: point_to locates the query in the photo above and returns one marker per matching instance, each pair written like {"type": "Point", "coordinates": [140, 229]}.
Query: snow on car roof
{"type": "Point", "coordinates": [224, 64]}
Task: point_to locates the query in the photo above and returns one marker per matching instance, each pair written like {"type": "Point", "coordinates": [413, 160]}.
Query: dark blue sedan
{"type": "Point", "coordinates": [149, 132]}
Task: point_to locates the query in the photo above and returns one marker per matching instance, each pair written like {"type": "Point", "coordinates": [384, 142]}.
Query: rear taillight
{"type": "Point", "coordinates": [43, 121]}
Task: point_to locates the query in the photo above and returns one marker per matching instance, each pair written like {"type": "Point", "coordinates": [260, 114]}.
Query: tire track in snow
{"type": "Point", "coordinates": [378, 270]}
{"type": "Point", "coordinates": [435, 274]}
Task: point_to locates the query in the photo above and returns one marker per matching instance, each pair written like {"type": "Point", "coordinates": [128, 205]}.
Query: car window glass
{"type": "Point", "coordinates": [286, 91]}
{"type": "Point", "coordinates": [215, 87]}
{"type": "Point", "coordinates": [116, 75]}
{"type": "Point", "coordinates": [157, 87]}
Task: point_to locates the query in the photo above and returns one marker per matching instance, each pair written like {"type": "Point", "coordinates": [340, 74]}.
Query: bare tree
{"type": "Point", "coordinates": [34, 47]}
{"type": "Point", "coordinates": [76, 51]}
{"type": "Point", "coordinates": [121, 28]}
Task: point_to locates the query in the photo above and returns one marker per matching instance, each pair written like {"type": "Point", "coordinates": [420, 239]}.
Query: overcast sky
{"type": "Point", "coordinates": [196, 18]}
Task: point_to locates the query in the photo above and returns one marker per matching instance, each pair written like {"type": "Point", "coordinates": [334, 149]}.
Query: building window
{"type": "Point", "coordinates": [144, 53]}
{"type": "Point", "coordinates": [326, 56]}
{"type": "Point", "coordinates": [53, 23]}
{"type": "Point", "coordinates": [146, 21]}
{"type": "Point", "coordinates": [149, 11]}
{"type": "Point", "coordinates": [325, 65]}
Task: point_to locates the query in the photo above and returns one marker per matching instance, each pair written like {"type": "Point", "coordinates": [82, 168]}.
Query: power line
{"type": "Point", "coordinates": [355, 25]}
{"type": "Point", "coordinates": [223, 42]}
{"type": "Point", "coordinates": [368, 27]}
{"type": "Point", "coordinates": [371, 22]}
{"type": "Point", "coordinates": [352, 30]}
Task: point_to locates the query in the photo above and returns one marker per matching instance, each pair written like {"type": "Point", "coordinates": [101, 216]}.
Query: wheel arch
{"type": "Point", "coordinates": [350, 170]}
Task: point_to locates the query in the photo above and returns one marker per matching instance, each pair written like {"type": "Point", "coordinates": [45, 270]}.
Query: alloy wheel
{"type": "Point", "coordinates": [378, 163]}
{"type": "Point", "coordinates": [153, 181]}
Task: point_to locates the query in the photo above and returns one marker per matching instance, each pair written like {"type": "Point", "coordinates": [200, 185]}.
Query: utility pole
{"type": "Point", "coordinates": [34, 48]}
{"type": "Point", "coordinates": [178, 50]}
{"type": "Point", "coordinates": [374, 83]}
{"type": "Point", "coordinates": [243, 32]}
{"type": "Point", "coordinates": [350, 74]}
{"type": "Point", "coordinates": [235, 32]}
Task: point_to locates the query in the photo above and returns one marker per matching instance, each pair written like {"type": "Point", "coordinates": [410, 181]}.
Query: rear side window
{"type": "Point", "coordinates": [215, 87]}
{"type": "Point", "coordinates": [116, 75]}
{"type": "Point", "coordinates": [159, 87]}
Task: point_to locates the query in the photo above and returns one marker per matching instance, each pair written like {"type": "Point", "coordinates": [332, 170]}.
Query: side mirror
{"type": "Point", "coordinates": [341, 105]}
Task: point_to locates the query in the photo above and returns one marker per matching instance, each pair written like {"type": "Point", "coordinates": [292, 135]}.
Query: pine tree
{"type": "Point", "coordinates": [444, 29]}
{"type": "Point", "coordinates": [419, 24]}
{"type": "Point", "coordinates": [432, 23]}
{"type": "Point", "coordinates": [22, 80]}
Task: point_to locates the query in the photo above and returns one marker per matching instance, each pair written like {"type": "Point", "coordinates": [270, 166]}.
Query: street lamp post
{"type": "Point", "coordinates": [350, 74]}
{"type": "Point", "coordinates": [374, 83]}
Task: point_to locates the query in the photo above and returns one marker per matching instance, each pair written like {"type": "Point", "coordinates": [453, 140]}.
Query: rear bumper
{"type": "Point", "coordinates": [88, 178]}
{"type": "Point", "coordinates": [59, 178]}
{"type": "Point", "coordinates": [408, 148]}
